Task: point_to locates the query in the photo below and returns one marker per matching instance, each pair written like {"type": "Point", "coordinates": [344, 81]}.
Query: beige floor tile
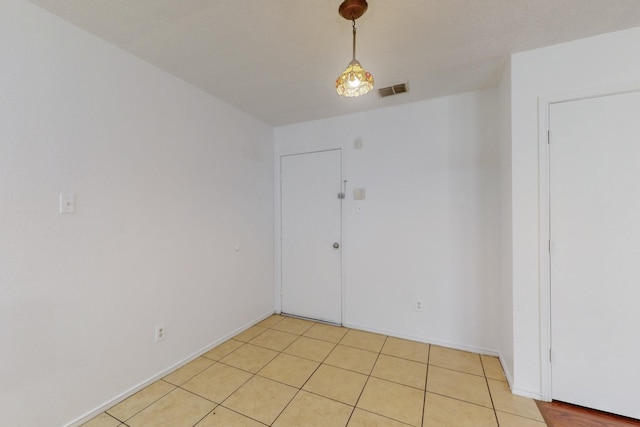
{"type": "Point", "coordinates": [223, 417]}
{"type": "Point", "coordinates": [441, 411]}
{"type": "Point", "coordinates": [336, 383]}
{"type": "Point", "coordinates": [136, 403]}
{"type": "Point", "coordinates": [188, 371]}
{"type": "Point", "coordinates": [457, 360]}
{"type": "Point", "coordinates": [405, 349]}
{"type": "Point", "coordinates": [310, 410]}
{"type": "Point", "coordinates": [217, 382]}
{"type": "Point", "coordinates": [293, 325]}
{"type": "Point", "coordinates": [351, 358]}
{"type": "Point", "coordinates": [261, 399]}
{"type": "Point", "coordinates": [102, 420]}
{"type": "Point", "coordinates": [291, 370]}
{"type": "Point", "coordinates": [274, 340]}
{"type": "Point", "coordinates": [324, 332]}
{"type": "Point", "coordinates": [310, 348]}
{"type": "Point", "coordinates": [249, 334]}
{"type": "Point", "coordinates": [177, 409]}
{"type": "Point", "coordinates": [510, 420]}
{"type": "Point", "coordinates": [363, 340]}
{"type": "Point", "coordinates": [223, 349]}
{"type": "Point", "coordinates": [393, 400]}
{"type": "Point", "coordinates": [459, 385]}
{"type": "Point", "coordinates": [505, 401]}
{"type": "Point", "coordinates": [492, 368]}
{"type": "Point", "coordinates": [361, 418]}
{"type": "Point", "coordinates": [401, 371]}
{"type": "Point", "coordinates": [270, 321]}
{"type": "Point", "coordinates": [250, 358]}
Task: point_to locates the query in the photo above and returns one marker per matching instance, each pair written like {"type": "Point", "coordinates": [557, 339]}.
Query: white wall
{"type": "Point", "coordinates": [430, 228]}
{"type": "Point", "coordinates": [168, 181]}
{"type": "Point", "coordinates": [594, 65]}
{"type": "Point", "coordinates": [505, 295]}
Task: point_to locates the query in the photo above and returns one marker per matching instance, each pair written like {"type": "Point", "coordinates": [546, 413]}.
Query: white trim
{"type": "Point", "coordinates": [519, 391]}
{"type": "Point", "coordinates": [544, 187]}
{"type": "Point", "coordinates": [133, 390]}
{"type": "Point", "coordinates": [343, 238]}
{"type": "Point", "coordinates": [439, 343]}
{"type": "Point", "coordinates": [524, 392]}
{"type": "Point", "coordinates": [277, 300]}
{"type": "Point", "coordinates": [544, 286]}
{"type": "Point", "coordinates": [506, 372]}
{"type": "Point", "coordinates": [278, 221]}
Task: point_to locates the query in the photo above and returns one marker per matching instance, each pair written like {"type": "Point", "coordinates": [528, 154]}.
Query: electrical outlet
{"type": "Point", "coordinates": [418, 306]}
{"type": "Point", "coordinates": [160, 332]}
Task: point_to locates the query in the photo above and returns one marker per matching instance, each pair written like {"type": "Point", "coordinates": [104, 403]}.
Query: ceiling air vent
{"type": "Point", "coordinates": [393, 90]}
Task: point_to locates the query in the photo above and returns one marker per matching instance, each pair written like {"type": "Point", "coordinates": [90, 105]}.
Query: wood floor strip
{"type": "Point", "coordinates": [560, 414]}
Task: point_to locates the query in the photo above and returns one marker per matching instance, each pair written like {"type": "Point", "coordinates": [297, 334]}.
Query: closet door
{"type": "Point", "coordinates": [595, 252]}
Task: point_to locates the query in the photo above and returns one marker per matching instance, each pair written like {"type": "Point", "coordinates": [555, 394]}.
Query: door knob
{"type": "Point", "coordinates": [336, 245]}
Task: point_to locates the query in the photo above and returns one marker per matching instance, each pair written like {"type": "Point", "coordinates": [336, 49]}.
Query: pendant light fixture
{"type": "Point", "coordinates": [355, 80]}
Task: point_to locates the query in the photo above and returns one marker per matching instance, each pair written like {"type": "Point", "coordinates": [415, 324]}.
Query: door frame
{"type": "Point", "coordinates": [544, 219]}
{"type": "Point", "coordinates": [278, 222]}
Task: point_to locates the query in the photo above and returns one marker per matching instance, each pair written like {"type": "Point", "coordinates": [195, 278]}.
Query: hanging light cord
{"type": "Point", "coordinates": [354, 39]}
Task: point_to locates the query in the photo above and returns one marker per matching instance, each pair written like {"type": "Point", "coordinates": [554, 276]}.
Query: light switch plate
{"type": "Point", "coordinates": [67, 203]}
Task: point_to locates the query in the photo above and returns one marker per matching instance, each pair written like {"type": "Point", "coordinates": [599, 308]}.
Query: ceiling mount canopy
{"type": "Point", "coordinates": [353, 9]}
{"type": "Point", "coordinates": [355, 80]}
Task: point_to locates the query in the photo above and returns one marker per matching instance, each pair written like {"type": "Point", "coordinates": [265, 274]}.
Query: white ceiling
{"type": "Point", "coordinates": [278, 59]}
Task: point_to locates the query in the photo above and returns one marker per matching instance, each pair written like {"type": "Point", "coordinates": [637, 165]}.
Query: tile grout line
{"type": "Point", "coordinates": [253, 375]}
{"type": "Point", "coordinates": [426, 379]}
{"type": "Point", "coordinates": [256, 373]}
{"type": "Point", "coordinates": [205, 415]}
{"type": "Point", "coordinates": [467, 402]}
{"type": "Point", "coordinates": [299, 389]}
{"type": "Point", "coordinates": [486, 380]}
{"type": "Point", "coordinates": [369, 376]}
{"type": "Point", "coordinates": [355, 405]}
{"type": "Point", "coordinates": [241, 414]}
{"type": "Point", "coordinates": [504, 411]}
{"type": "Point", "coordinates": [136, 413]}
{"type": "Point", "coordinates": [457, 370]}
{"type": "Point", "coordinates": [378, 353]}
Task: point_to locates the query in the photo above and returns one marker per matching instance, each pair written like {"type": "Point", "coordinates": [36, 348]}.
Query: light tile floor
{"type": "Point", "coordinates": [288, 372]}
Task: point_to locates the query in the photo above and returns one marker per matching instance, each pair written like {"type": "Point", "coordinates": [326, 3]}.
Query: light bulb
{"type": "Point", "coordinates": [354, 82]}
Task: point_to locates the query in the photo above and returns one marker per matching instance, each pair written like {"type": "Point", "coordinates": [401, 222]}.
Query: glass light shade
{"type": "Point", "coordinates": [354, 81]}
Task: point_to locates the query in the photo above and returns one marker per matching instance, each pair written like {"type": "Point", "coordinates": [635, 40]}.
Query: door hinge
{"type": "Point", "coordinates": [549, 355]}
{"type": "Point", "coordinates": [549, 137]}
{"type": "Point", "coordinates": [549, 246]}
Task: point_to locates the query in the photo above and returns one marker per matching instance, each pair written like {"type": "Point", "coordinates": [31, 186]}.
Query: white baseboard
{"type": "Point", "coordinates": [507, 374]}
{"type": "Point", "coordinates": [133, 390]}
{"type": "Point", "coordinates": [454, 346]}
{"type": "Point", "coordinates": [533, 394]}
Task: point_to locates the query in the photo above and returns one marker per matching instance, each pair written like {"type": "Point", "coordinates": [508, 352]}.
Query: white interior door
{"type": "Point", "coordinates": [595, 256]}
{"type": "Point", "coordinates": [311, 227]}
